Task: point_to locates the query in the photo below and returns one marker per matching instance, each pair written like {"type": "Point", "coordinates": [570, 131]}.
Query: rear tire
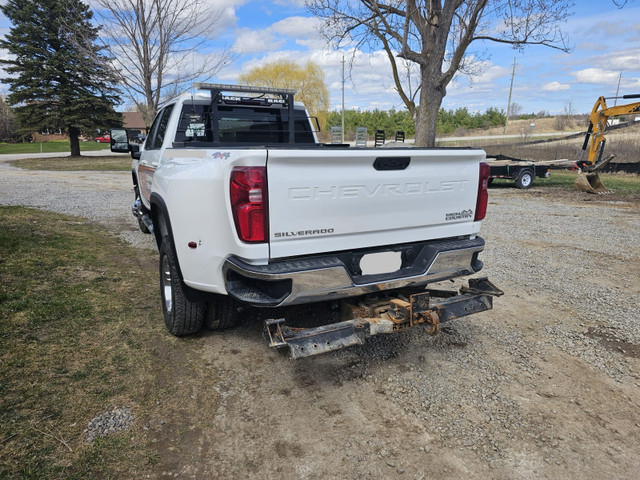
{"type": "Point", "coordinates": [525, 179]}
{"type": "Point", "coordinates": [181, 316]}
{"type": "Point", "coordinates": [222, 313]}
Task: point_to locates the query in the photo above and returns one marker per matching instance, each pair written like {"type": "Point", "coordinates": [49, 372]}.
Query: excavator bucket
{"type": "Point", "coordinates": [588, 179]}
{"type": "Point", "coordinates": [590, 183]}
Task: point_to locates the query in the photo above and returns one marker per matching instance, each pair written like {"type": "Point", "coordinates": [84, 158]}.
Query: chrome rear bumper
{"type": "Point", "coordinates": [311, 279]}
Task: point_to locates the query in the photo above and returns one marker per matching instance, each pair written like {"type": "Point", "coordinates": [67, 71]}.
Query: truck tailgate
{"type": "Point", "coordinates": [329, 200]}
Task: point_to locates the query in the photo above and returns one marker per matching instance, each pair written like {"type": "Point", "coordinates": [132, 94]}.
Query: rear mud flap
{"type": "Point", "coordinates": [375, 316]}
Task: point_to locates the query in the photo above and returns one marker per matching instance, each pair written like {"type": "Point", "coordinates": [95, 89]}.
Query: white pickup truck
{"type": "Point", "coordinates": [247, 208]}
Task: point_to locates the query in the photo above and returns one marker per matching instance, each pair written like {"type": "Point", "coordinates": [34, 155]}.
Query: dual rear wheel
{"type": "Point", "coordinates": [181, 315]}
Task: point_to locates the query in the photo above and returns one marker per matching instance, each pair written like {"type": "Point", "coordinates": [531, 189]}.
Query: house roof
{"type": "Point", "coordinates": [133, 120]}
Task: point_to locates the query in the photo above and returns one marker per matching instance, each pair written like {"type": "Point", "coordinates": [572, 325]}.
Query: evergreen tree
{"type": "Point", "coordinates": [58, 77]}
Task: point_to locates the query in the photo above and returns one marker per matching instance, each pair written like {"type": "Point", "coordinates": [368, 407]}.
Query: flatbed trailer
{"type": "Point", "coordinates": [522, 172]}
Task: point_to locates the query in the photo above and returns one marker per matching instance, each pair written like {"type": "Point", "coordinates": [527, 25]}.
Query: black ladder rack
{"type": "Point", "coordinates": [216, 89]}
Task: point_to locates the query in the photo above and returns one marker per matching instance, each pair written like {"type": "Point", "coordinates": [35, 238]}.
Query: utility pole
{"type": "Point", "coordinates": [506, 124]}
{"type": "Point", "coordinates": [343, 98]}
{"type": "Point", "coordinates": [617, 90]}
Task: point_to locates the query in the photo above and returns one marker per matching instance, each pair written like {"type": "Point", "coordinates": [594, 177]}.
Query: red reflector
{"type": "Point", "coordinates": [192, 245]}
{"type": "Point", "coordinates": [248, 189]}
{"type": "Point", "coordinates": [483, 194]}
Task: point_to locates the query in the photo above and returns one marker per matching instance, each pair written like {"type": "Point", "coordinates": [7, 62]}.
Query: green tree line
{"type": "Point", "coordinates": [393, 120]}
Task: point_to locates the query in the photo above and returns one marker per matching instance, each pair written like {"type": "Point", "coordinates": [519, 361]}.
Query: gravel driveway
{"type": "Point", "coordinates": [547, 385]}
{"type": "Point", "coordinates": [103, 197]}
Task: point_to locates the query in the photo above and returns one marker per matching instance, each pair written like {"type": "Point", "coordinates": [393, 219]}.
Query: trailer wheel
{"type": "Point", "coordinates": [181, 316]}
{"type": "Point", "coordinates": [525, 179]}
{"type": "Point", "coordinates": [222, 313]}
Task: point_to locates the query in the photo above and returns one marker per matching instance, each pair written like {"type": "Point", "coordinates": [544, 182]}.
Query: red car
{"type": "Point", "coordinates": [103, 139]}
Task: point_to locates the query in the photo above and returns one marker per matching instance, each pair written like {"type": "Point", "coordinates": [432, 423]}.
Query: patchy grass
{"type": "Point", "coordinates": [79, 334]}
{"type": "Point", "coordinates": [49, 147]}
{"type": "Point", "coordinates": [103, 163]}
{"type": "Point", "coordinates": [621, 184]}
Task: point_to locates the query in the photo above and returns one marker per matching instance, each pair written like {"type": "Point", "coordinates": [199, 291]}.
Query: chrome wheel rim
{"type": "Point", "coordinates": [166, 286]}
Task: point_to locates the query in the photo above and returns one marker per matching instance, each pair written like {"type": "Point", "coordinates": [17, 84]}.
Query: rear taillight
{"type": "Point", "coordinates": [248, 188]}
{"type": "Point", "coordinates": [483, 194]}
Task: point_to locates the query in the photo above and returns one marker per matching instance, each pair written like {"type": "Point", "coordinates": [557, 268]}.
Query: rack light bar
{"type": "Point", "coordinates": [243, 88]}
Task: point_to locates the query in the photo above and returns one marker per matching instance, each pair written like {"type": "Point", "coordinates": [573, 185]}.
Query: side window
{"type": "Point", "coordinates": [154, 126]}
{"type": "Point", "coordinates": [162, 127]}
{"type": "Point", "coordinates": [158, 129]}
{"type": "Point", "coordinates": [194, 124]}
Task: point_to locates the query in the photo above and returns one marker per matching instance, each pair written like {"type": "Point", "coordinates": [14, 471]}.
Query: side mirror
{"type": "Point", "coordinates": [119, 140]}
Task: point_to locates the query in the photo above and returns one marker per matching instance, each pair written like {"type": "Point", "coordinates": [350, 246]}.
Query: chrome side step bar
{"type": "Point", "coordinates": [141, 213]}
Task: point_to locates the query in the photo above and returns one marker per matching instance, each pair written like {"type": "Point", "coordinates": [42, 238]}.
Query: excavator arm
{"type": "Point", "coordinates": [594, 142]}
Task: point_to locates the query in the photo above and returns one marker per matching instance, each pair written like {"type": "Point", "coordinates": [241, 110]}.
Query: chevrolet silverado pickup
{"type": "Point", "coordinates": [248, 208]}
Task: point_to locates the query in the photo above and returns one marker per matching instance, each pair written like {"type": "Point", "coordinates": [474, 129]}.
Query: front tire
{"type": "Point", "coordinates": [181, 316]}
{"type": "Point", "coordinates": [525, 179]}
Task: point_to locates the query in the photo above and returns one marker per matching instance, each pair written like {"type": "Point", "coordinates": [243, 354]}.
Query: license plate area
{"type": "Point", "coordinates": [380, 263]}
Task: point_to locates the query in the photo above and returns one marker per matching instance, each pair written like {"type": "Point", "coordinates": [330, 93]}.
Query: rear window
{"type": "Point", "coordinates": [243, 125]}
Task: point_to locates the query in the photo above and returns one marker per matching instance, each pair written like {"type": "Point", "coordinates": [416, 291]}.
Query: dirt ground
{"type": "Point", "coordinates": [546, 385]}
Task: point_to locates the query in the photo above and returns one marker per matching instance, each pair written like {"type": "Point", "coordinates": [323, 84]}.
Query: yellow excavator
{"type": "Point", "coordinates": [588, 179]}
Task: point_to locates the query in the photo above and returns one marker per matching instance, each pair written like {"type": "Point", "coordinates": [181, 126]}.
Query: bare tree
{"type": "Point", "coordinates": [435, 35]}
{"type": "Point", "coordinates": [160, 46]}
{"type": "Point", "coordinates": [515, 110]}
{"type": "Point", "coordinates": [566, 119]}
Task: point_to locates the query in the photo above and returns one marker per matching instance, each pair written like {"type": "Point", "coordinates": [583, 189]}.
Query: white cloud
{"type": "Point", "coordinates": [606, 28]}
{"type": "Point", "coordinates": [250, 41]}
{"type": "Point", "coordinates": [288, 3]}
{"type": "Point", "coordinates": [490, 72]}
{"type": "Point", "coordinates": [295, 26]}
{"type": "Point", "coordinates": [555, 86]}
{"type": "Point", "coordinates": [591, 47]}
{"type": "Point", "coordinates": [304, 30]}
{"type": "Point", "coordinates": [300, 29]}
{"type": "Point", "coordinates": [220, 4]}
{"type": "Point", "coordinates": [596, 76]}
{"type": "Point", "coordinates": [629, 85]}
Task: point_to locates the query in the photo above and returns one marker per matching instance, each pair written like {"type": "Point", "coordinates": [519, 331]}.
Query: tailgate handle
{"type": "Point", "coordinates": [391, 163]}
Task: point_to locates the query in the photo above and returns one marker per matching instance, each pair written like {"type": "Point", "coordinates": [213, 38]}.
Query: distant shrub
{"type": "Point", "coordinates": [400, 120]}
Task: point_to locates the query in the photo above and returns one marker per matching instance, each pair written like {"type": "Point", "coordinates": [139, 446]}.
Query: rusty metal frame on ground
{"type": "Point", "coordinates": [375, 315]}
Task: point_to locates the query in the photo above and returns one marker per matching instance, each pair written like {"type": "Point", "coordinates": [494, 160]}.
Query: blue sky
{"type": "Point", "coordinates": [606, 44]}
